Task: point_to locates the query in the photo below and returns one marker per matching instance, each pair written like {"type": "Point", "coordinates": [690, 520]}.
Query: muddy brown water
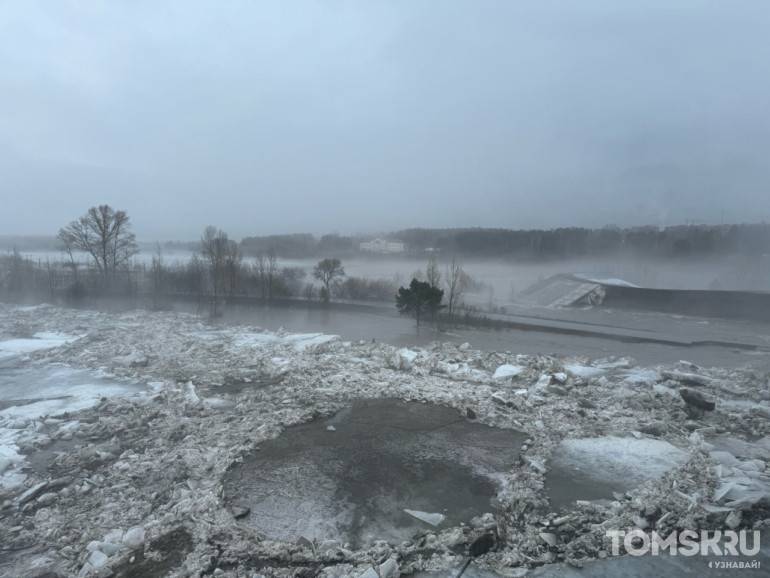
{"type": "Point", "coordinates": [351, 477]}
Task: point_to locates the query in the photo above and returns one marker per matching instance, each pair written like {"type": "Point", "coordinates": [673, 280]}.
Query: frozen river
{"type": "Point", "coordinates": [29, 391]}
{"type": "Point", "coordinates": [216, 395]}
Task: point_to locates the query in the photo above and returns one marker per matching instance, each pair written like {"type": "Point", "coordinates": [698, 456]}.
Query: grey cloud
{"type": "Point", "coordinates": [272, 117]}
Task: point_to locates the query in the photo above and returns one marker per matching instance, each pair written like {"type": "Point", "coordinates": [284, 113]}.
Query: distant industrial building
{"type": "Point", "coordinates": [382, 246]}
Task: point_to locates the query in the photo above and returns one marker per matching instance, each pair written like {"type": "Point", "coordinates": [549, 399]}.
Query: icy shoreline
{"type": "Point", "coordinates": [150, 471]}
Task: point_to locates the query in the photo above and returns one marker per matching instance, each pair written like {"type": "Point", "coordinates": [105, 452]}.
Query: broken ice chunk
{"type": "Point", "coordinates": [712, 509]}
{"type": "Point", "coordinates": [407, 354]}
{"type": "Point", "coordinates": [507, 371]}
{"type": "Point", "coordinates": [190, 395]}
{"type": "Point", "coordinates": [543, 382]}
{"type": "Point", "coordinates": [218, 403]}
{"type": "Point", "coordinates": [134, 537]}
{"type": "Point", "coordinates": [548, 538]}
{"type": "Point", "coordinates": [722, 491]}
{"type": "Point", "coordinates": [432, 519]}
{"type": "Point", "coordinates": [639, 376]}
{"type": "Point", "coordinates": [370, 573]}
{"type": "Point", "coordinates": [624, 362]}
{"type": "Point", "coordinates": [584, 371]}
{"type": "Point", "coordinates": [691, 379]}
{"type": "Point", "coordinates": [725, 458]}
{"type": "Point", "coordinates": [696, 399]}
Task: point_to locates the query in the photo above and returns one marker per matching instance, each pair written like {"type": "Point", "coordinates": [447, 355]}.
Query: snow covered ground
{"type": "Point", "coordinates": [143, 493]}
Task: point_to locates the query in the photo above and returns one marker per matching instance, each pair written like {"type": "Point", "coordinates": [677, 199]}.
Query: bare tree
{"type": "Point", "coordinates": [194, 276]}
{"type": "Point", "coordinates": [309, 292]}
{"type": "Point", "coordinates": [16, 270]}
{"type": "Point", "coordinates": [258, 273]}
{"type": "Point", "coordinates": [328, 271]}
{"type": "Point", "coordinates": [105, 235]}
{"type": "Point", "coordinates": [158, 276]}
{"type": "Point", "coordinates": [266, 272]}
{"type": "Point", "coordinates": [292, 278]}
{"type": "Point", "coordinates": [68, 248]}
{"type": "Point", "coordinates": [157, 270]}
{"type": "Point", "coordinates": [456, 282]}
{"type": "Point", "coordinates": [52, 276]}
{"type": "Point", "coordinates": [214, 248]}
{"type": "Point", "coordinates": [232, 267]}
{"type": "Point", "coordinates": [432, 272]}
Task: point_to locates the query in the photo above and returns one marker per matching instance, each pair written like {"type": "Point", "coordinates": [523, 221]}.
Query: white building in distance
{"type": "Point", "coordinates": [382, 246]}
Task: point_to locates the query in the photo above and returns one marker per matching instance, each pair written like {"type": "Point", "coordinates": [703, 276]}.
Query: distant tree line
{"type": "Point", "coordinates": [300, 245]}
{"type": "Point", "coordinates": [529, 245]}
{"type": "Point", "coordinates": [540, 244]}
{"type": "Point", "coordinates": [575, 242]}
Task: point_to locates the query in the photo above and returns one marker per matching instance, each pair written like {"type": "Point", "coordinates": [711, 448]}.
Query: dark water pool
{"type": "Point", "coordinates": [352, 477]}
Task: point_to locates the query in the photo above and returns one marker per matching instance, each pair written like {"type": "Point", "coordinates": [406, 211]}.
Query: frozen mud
{"type": "Point", "coordinates": [143, 493]}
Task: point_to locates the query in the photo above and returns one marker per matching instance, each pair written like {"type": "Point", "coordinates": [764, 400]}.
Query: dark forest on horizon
{"type": "Point", "coordinates": [698, 241]}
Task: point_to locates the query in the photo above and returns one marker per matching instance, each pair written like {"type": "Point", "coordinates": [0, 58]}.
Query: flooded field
{"type": "Point", "coordinates": [384, 324]}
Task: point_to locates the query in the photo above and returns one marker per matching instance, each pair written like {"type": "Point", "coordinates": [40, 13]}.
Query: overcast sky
{"type": "Point", "coordinates": [318, 116]}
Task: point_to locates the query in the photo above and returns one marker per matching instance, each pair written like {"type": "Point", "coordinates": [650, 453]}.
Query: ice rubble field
{"type": "Point", "coordinates": [144, 493]}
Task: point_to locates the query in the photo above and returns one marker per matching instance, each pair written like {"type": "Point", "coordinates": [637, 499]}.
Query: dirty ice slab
{"type": "Point", "coordinates": [593, 468]}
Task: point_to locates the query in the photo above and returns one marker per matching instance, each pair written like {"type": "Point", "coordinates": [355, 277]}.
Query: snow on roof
{"type": "Point", "coordinates": [606, 281]}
